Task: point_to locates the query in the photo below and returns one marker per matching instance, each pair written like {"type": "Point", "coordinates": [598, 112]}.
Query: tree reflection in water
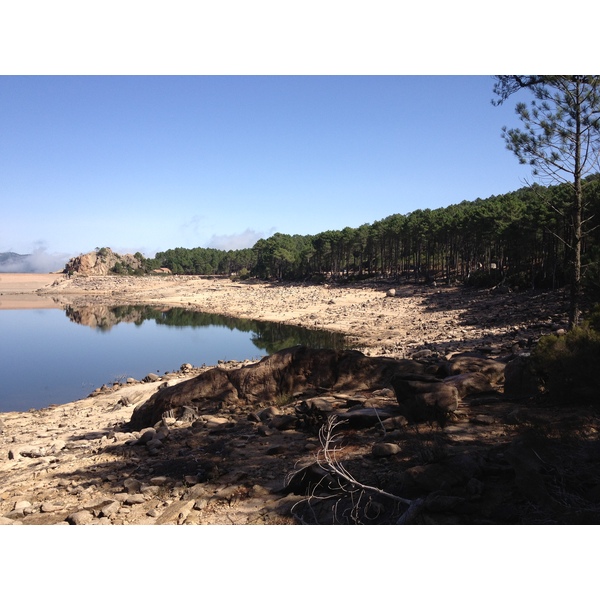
{"type": "Point", "coordinates": [267, 336]}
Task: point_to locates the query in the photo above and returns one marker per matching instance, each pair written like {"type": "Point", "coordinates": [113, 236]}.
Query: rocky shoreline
{"type": "Point", "coordinates": [248, 462]}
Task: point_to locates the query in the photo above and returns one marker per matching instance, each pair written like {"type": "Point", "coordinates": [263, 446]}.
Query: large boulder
{"type": "Point", "coordinates": [275, 378]}
{"type": "Point", "coordinates": [422, 397]}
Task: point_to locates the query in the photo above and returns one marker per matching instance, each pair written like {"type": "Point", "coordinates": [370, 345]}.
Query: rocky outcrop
{"type": "Point", "coordinates": [296, 370]}
{"type": "Point", "coordinates": [274, 378]}
{"type": "Point", "coordinates": [101, 262]}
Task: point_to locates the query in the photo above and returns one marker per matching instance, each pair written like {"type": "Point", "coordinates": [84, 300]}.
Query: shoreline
{"type": "Point", "coordinates": [82, 463]}
{"type": "Point", "coordinates": [378, 317]}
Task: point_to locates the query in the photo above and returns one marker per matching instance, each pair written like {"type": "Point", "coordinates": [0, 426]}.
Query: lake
{"type": "Point", "coordinates": [54, 356]}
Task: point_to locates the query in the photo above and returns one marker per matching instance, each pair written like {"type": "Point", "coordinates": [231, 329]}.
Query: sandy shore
{"type": "Point", "coordinates": [18, 290]}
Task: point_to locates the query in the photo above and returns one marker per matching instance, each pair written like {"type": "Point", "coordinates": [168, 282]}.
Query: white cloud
{"type": "Point", "coordinates": [238, 241]}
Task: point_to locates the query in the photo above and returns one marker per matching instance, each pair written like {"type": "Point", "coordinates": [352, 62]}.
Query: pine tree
{"type": "Point", "coordinates": [561, 142]}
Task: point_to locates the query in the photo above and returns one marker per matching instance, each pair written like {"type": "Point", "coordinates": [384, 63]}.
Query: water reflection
{"type": "Point", "coordinates": [267, 336]}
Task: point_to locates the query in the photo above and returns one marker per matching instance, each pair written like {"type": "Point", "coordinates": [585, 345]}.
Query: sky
{"type": "Point", "coordinates": [147, 163]}
{"type": "Point", "coordinates": [154, 131]}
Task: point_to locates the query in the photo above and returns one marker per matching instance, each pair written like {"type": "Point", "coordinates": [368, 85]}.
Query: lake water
{"type": "Point", "coordinates": [52, 356]}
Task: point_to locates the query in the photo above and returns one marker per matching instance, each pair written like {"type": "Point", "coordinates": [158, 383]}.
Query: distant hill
{"type": "Point", "coordinates": [39, 261]}
{"type": "Point", "coordinates": [11, 262]}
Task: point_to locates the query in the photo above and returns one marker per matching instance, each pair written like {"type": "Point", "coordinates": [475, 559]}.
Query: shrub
{"type": "Point", "coordinates": [568, 364]}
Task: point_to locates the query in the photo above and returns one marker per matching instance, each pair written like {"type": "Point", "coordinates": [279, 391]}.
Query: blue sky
{"type": "Point", "coordinates": [154, 162]}
{"type": "Point", "coordinates": [217, 124]}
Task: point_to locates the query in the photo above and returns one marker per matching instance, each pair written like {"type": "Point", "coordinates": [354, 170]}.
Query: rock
{"type": "Point", "coordinates": [50, 507]}
{"type": "Point", "coordinates": [101, 262]}
{"type": "Point", "coordinates": [151, 377]}
{"type": "Point", "coordinates": [135, 499]}
{"type": "Point", "coordinates": [283, 422]}
{"type": "Point", "coordinates": [425, 398]}
{"type": "Point", "coordinates": [154, 444]}
{"type": "Point", "coordinates": [392, 423]}
{"type": "Point", "coordinates": [213, 422]}
{"type": "Point", "coordinates": [131, 485]}
{"type": "Point", "coordinates": [391, 293]}
{"type": "Point", "coordinates": [520, 378]}
{"type": "Point", "coordinates": [146, 435]}
{"type": "Point", "coordinates": [158, 480]}
{"type": "Point", "coordinates": [469, 383]}
{"type": "Point", "coordinates": [82, 517]}
{"type": "Point", "coordinates": [110, 509]}
{"type": "Point", "coordinates": [282, 374]}
{"type": "Point", "coordinates": [383, 449]}
{"type": "Point", "coordinates": [492, 369]}
{"type": "Point", "coordinates": [176, 513]}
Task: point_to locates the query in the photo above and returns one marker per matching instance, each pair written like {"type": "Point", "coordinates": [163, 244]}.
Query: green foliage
{"type": "Point", "coordinates": [520, 238]}
{"type": "Point", "coordinates": [568, 363]}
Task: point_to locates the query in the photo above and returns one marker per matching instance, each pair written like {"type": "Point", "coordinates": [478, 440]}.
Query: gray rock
{"type": "Point", "coordinates": [110, 509]}
{"type": "Point", "coordinates": [82, 517]}
{"type": "Point", "coordinates": [135, 499]}
{"type": "Point", "coordinates": [131, 485]}
{"type": "Point", "coordinates": [154, 444]}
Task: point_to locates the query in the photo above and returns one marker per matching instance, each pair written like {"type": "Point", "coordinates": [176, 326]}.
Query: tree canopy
{"type": "Point", "coordinates": [518, 238]}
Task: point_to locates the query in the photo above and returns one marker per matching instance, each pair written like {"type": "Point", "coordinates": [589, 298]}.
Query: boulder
{"type": "Point", "coordinates": [425, 398]}
{"type": "Point", "coordinates": [520, 378]}
{"type": "Point", "coordinates": [280, 375]}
